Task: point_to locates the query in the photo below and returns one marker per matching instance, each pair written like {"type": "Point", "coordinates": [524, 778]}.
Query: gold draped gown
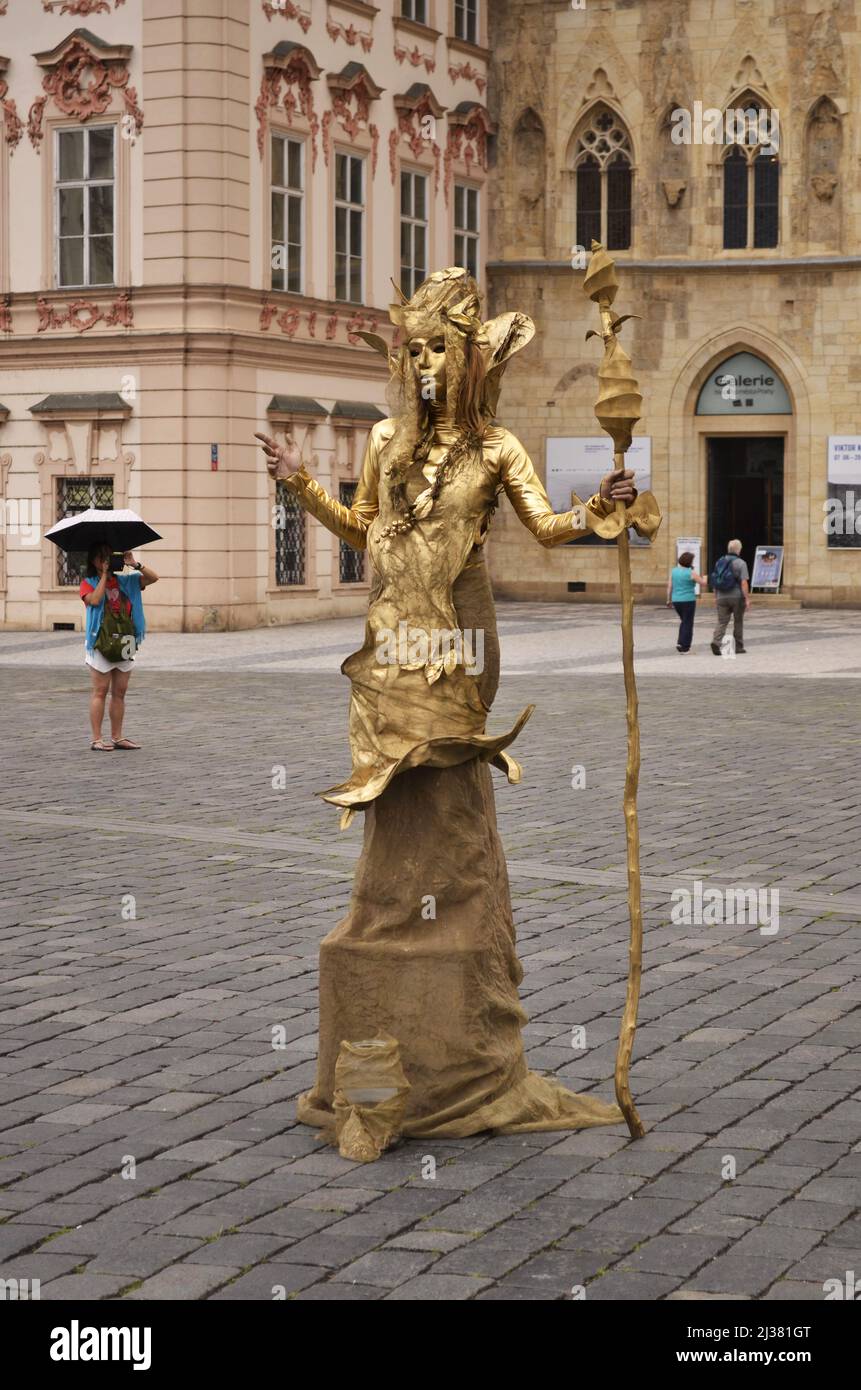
{"type": "Point", "coordinates": [442, 981]}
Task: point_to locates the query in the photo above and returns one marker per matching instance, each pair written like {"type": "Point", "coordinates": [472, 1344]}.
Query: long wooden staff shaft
{"type": "Point", "coordinates": [632, 837]}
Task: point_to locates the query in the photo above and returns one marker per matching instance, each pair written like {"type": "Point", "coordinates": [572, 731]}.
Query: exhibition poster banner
{"type": "Point", "coordinates": [578, 463]}
{"type": "Point", "coordinates": [842, 508]}
{"type": "Point", "coordinates": [767, 567]}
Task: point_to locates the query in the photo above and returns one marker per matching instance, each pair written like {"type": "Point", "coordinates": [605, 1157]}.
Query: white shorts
{"type": "Point", "coordinates": [101, 663]}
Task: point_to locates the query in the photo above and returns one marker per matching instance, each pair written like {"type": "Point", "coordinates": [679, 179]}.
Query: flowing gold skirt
{"type": "Point", "coordinates": [426, 953]}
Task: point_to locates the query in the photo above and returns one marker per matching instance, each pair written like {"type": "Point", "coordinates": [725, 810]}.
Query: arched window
{"type": "Point", "coordinates": [602, 169]}
{"type": "Point", "coordinates": [751, 178]}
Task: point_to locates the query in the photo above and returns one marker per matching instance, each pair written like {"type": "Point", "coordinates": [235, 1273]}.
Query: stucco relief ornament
{"type": "Point", "coordinates": [824, 186]}
{"type": "Point", "coordinates": [673, 190]}
{"type": "Point", "coordinates": [12, 123]}
{"type": "Point", "coordinates": [354, 84]}
{"type": "Point", "coordinates": [415, 58]}
{"type": "Point", "coordinates": [79, 7]}
{"type": "Point", "coordinates": [287, 10]}
{"type": "Point", "coordinates": [82, 78]}
{"type": "Point", "coordinates": [468, 129]}
{"type": "Point", "coordinates": [296, 68]}
{"type": "Point", "coordinates": [84, 314]}
{"type": "Point", "coordinates": [418, 111]}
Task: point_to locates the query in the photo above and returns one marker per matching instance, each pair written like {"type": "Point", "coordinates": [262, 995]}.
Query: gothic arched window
{"type": "Point", "coordinates": [603, 173]}
{"type": "Point", "coordinates": [751, 178]}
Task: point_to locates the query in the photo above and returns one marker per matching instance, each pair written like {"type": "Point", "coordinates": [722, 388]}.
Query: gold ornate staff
{"type": "Point", "coordinates": [618, 409]}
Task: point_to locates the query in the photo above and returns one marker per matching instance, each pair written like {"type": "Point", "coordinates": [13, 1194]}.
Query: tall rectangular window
{"type": "Point", "coordinates": [466, 20]}
{"type": "Point", "coordinates": [76, 495]}
{"type": "Point", "coordinates": [351, 563]}
{"type": "Point", "coordinates": [414, 231]}
{"type": "Point", "coordinates": [466, 228]}
{"type": "Point", "coordinates": [415, 9]}
{"type": "Point", "coordinates": [349, 226]}
{"type": "Point", "coordinates": [289, 538]}
{"type": "Point", "coordinates": [84, 178]}
{"type": "Point", "coordinates": [287, 213]}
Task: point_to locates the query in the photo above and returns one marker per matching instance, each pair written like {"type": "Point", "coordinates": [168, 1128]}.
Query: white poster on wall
{"type": "Point", "coordinates": [578, 463]}
{"type": "Point", "coordinates": [844, 459]}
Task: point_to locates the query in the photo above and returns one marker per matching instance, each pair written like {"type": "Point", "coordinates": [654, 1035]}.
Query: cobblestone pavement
{"type": "Point", "coordinates": [147, 1132]}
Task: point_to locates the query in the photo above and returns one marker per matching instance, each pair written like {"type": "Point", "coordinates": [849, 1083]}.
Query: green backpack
{"type": "Point", "coordinates": [116, 639]}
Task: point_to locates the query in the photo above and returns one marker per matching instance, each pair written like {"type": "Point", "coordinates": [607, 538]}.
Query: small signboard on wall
{"type": "Point", "coordinates": [767, 568]}
{"type": "Point", "coordinates": [578, 463]}
{"type": "Point", "coordinates": [744, 385]}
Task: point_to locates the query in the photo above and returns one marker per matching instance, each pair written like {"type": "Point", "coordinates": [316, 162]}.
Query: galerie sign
{"type": "Point", "coordinates": [577, 464]}
{"type": "Point", "coordinates": [744, 385]}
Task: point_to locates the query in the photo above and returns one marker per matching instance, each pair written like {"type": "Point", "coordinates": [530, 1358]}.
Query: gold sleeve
{"type": "Point", "coordinates": [526, 493]}
{"type": "Point", "coordinates": [349, 523]}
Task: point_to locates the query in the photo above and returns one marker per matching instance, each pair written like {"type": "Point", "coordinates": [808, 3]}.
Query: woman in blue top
{"type": "Point", "coordinates": [123, 594]}
{"type": "Point", "coordinates": [682, 596]}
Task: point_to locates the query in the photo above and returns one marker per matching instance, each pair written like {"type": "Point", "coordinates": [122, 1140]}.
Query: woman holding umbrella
{"type": "Point", "coordinates": [115, 625]}
{"type": "Point", "coordinates": [114, 607]}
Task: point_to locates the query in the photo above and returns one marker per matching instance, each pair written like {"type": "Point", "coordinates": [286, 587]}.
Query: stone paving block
{"type": "Point", "coordinates": [619, 1286]}
{"type": "Point", "coordinates": [438, 1287]}
{"type": "Point", "coordinates": [739, 1274]}
{"type": "Point", "coordinates": [386, 1268]}
{"type": "Point", "coordinates": [84, 1286]}
{"type": "Point", "coordinates": [272, 1282]}
{"type": "Point", "coordinates": [182, 1281]}
{"type": "Point", "coordinates": [141, 1256]}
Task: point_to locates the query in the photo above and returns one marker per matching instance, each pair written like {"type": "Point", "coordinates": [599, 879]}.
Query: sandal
{"type": "Point", "coordinates": [101, 747]}
{"type": "Point", "coordinates": [123, 744]}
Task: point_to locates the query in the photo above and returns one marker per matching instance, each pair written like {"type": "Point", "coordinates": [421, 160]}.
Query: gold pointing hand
{"type": "Point", "coordinates": [282, 460]}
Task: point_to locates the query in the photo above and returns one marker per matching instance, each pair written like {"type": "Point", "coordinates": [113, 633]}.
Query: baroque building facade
{"type": "Point", "coordinates": [201, 205]}
{"type": "Point", "coordinates": [713, 146]}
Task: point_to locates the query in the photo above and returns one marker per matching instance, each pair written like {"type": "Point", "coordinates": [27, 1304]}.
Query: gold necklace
{"type": "Point", "coordinates": [423, 505]}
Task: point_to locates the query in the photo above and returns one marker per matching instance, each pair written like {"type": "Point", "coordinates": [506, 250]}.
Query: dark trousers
{"type": "Point", "coordinates": [686, 612]}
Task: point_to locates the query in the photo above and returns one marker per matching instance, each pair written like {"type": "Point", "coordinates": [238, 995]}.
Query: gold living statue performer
{"type": "Point", "coordinates": [423, 968]}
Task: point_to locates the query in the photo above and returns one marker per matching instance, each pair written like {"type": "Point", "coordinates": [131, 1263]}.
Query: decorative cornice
{"type": "Point", "coordinates": [674, 267]}
{"type": "Point", "coordinates": [413, 26]}
{"type": "Point", "coordinates": [470, 50]}
{"type": "Point", "coordinates": [419, 97]}
{"type": "Point", "coordinates": [297, 405]}
{"type": "Point", "coordinates": [84, 38]}
{"type": "Point", "coordinates": [65, 405]}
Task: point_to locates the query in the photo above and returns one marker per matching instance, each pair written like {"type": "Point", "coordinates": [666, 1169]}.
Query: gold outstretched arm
{"type": "Point", "coordinates": [350, 524]}
{"type": "Point", "coordinates": [526, 493]}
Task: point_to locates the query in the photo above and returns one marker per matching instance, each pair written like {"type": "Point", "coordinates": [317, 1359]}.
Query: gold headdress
{"type": "Point", "coordinates": [448, 303]}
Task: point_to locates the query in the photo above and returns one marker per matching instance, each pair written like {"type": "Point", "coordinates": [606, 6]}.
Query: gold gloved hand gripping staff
{"type": "Point", "coordinates": [618, 409]}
